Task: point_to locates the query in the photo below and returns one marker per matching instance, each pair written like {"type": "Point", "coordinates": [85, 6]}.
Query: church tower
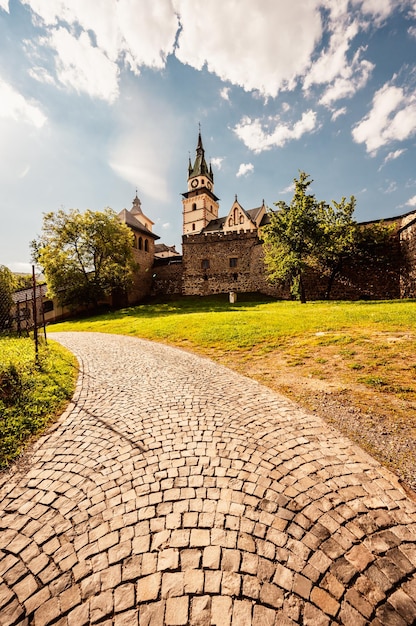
{"type": "Point", "coordinates": [200, 204]}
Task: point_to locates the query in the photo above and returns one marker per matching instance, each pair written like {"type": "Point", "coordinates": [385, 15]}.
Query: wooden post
{"type": "Point", "coordinates": [35, 316]}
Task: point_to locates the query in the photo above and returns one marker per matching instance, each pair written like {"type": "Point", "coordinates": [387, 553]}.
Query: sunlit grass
{"type": "Point", "coordinates": [32, 392]}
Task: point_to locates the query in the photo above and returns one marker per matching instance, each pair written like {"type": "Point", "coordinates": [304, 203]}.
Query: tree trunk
{"type": "Point", "coordinates": [302, 290]}
{"type": "Point", "coordinates": [335, 270]}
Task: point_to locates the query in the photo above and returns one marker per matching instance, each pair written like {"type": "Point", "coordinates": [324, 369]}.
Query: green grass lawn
{"type": "Point", "coordinates": [31, 394]}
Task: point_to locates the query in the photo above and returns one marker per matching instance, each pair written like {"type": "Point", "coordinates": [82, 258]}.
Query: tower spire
{"type": "Point", "coordinates": [200, 167]}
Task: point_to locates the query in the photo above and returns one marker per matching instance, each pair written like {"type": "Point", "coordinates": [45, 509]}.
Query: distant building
{"type": "Point", "coordinates": [162, 251]}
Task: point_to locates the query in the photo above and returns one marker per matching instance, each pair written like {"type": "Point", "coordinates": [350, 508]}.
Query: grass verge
{"type": "Point", "coordinates": [31, 394]}
{"type": "Point", "coordinates": [352, 362]}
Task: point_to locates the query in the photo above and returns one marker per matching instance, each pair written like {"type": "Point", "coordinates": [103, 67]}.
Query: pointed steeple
{"type": "Point", "coordinates": [137, 206]}
{"type": "Point", "coordinates": [200, 167]}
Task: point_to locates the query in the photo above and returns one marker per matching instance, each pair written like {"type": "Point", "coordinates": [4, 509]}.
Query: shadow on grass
{"type": "Point", "coordinates": [184, 305]}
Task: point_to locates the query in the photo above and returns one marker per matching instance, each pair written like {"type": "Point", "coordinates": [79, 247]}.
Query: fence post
{"type": "Point", "coordinates": [35, 317]}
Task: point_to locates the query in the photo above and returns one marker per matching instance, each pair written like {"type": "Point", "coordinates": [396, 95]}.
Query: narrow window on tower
{"type": "Point", "coordinates": [233, 261]}
{"type": "Point", "coordinates": [205, 264]}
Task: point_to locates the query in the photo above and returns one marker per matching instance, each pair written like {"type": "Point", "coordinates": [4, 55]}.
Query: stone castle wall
{"type": "Point", "coordinates": [407, 236]}
{"type": "Point", "coordinates": [167, 278]}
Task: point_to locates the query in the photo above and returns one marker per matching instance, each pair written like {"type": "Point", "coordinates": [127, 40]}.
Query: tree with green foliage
{"type": "Point", "coordinates": [290, 237]}
{"type": "Point", "coordinates": [85, 256]}
{"type": "Point", "coordinates": [337, 237]}
{"type": "Point", "coordinates": [340, 238]}
{"type": "Point", "coordinates": [312, 235]}
{"type": "Point", "coordinates": [7, 288]}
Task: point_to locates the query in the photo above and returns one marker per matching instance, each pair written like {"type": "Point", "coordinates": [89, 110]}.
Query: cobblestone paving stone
{"type": "Point", "coordinates": [173, 491]}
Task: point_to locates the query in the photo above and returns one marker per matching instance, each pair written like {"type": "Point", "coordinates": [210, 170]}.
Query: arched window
{"type": "Point", "coordinates": [146, 245]}
{"type": "Point", "coordinates": [193, 226]}
{"type": "Point", "coordinates": [194, 206]}
{"type": "Point", "coordinates": [140, 246]}
{"type": "Point", "coordinates": [235, 215]}
{"type": "Point", "coordinates": [241, 219]}
{"type": "Point", "coordinates": [230, 222]}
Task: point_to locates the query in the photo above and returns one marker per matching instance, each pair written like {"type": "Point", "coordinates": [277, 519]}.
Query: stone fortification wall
{"type": "Point", "coordinates": [207, 270]}
{"type": "Point", "coordinates": [407, 236]}
{"type": "Point", "coordinates": [167, 278]}
{"type": "Point", "coordinates": [219, 263]}
{"type": "Point", "coordinates": [143, 277]}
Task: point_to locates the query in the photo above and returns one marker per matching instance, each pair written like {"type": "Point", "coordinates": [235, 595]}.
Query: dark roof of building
{"type": "Point", "coordinates": [200, 167]}
{"type": "Point", "coordinates": [131, 221]}
{"type": "Point", "coordinates": [26, 295]}
{"type": "Point", "coordinates": [214, 225]}
{"type": "Point", "coordinates": [162, 247]}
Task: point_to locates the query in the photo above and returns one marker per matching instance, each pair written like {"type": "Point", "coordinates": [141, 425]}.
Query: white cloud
{"type": "Point", "coordinates": [352, 77]}
{"type": "Point", "coordinates": [412, 31]}
{"type": "Point", "coordinates": [142, 33]}
{"type": "Point", "coordinates": [338, 112]}
{"type": "Point", "coordinates": [41, 75]}
{"type": "Point", "coordinates": [411, 201]}
{"type": "Point", "coordinates": [258, 138]}
{"type": "Point", "coordinates": [244, 43]}
{"type": "Point", "coordinates": [4, 4]}
{"type": "Point", "coordinates": [393, 155]}
{"type": "Point", "coordinates": [225, 93]}
{"type": "Point", "coordinates": [124, 32]}
{"type": "Point", "coordinates": [250, 44]}
{"type": "Point", "coordinates": [14, 106]}
{"type": "Point", "coordinates": [391, 187]}
{"type": "Point", "coordinates": [378, 10]}
{"type": "Point", "coordinates": [343, 75]}
{"type": "Point", "coordinates": [288, 189]}
{"type": "Point", "coordinates": [392, 118]}
{"type": "Point", "coordinates": [148, 31]}
{"type": "Point", "coordinates": [244, 169]}
{"type": "Point", "coordinates": [217, 162]}
{"type": "Point", "coordinates": [83, 67]}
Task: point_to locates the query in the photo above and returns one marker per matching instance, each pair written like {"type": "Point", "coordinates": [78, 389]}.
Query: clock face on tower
{"type": "Point", "coordinates": [194, 183]}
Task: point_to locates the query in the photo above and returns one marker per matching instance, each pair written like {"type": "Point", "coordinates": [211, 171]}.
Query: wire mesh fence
{"type": "Point", "coordinates": [22, 316]}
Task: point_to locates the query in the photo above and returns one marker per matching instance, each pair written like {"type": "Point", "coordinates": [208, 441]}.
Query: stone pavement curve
{"type": "Point", "coordinates": [174, 491]}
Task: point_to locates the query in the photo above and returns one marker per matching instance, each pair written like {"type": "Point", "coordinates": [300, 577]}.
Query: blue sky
{"type": "Point", "coordinates": [100, 97]}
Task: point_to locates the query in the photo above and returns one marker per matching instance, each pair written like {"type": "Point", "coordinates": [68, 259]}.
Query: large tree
{"type": "Point", "coordinates": [7, 287]}
{"type": "Point", "coordinates": [290, 237]}
{"type": "Point", "coordinates": [337, 237]}
{"type": "Point", "coordinates": [85, 256]}
{"type": "Point", "coordinates": [312, 235]}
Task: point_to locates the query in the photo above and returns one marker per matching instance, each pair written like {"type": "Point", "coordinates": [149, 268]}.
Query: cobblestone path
{"type": "Point", "coordinates": [174, 491]}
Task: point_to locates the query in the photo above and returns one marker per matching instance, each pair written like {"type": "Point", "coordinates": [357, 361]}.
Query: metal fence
{"type": "Point", "coordinates": [22, 314]}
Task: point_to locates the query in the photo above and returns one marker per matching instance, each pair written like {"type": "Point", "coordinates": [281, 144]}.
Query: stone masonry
{"type": "Point", "coordinates": [173, 491]}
